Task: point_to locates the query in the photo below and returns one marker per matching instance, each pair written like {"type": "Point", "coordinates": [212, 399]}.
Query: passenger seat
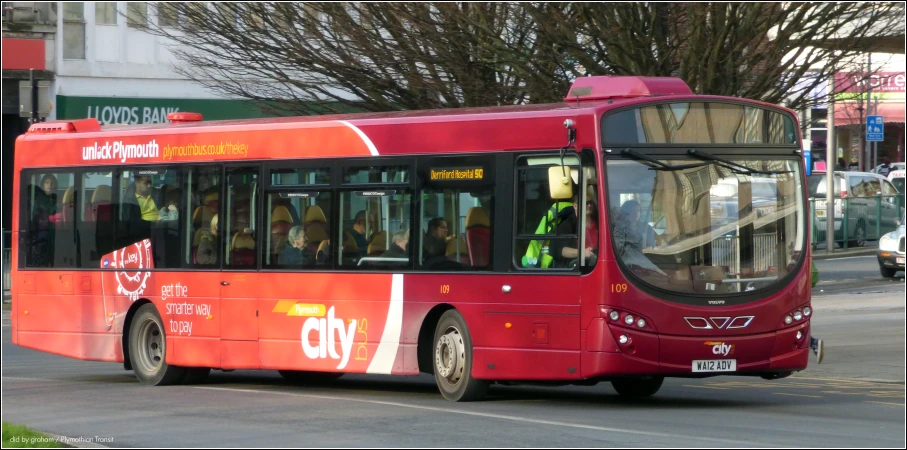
{"type": "Point", "coordinates": [478, 236]}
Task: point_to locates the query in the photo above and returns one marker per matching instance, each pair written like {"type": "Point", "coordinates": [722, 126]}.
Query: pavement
{"type": "Point", "coordinates": [869, 249]}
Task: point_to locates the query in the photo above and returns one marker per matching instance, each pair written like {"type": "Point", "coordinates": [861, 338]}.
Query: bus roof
{"type": "Point", "coordinates": [509, 128]}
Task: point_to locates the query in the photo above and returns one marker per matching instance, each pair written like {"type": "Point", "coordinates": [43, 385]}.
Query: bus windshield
{"type": "Point", "coordinates": [706, 227]}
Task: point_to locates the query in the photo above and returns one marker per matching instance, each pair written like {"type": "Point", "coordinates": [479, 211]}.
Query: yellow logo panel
{"type": "Point", "coordinates": [306, 310]}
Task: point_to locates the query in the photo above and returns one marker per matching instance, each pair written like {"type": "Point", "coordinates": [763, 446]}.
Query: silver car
{"type": "Point", "coordinates": [891, 251]}
{"type": "Point", "coordinates": [863, 210]}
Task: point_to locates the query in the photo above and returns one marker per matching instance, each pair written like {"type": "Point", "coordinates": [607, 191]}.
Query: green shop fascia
{"type": "Point", "coordinates": [130, 110]}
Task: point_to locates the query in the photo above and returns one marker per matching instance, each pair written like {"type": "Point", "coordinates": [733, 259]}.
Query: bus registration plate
{"type": "Point", "coordinates": [714, 365]}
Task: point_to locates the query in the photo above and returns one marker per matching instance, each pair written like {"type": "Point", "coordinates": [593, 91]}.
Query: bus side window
{"type": "Point", "coordinates": [201, 195]}
{"type": "Point", "coordinates": [239, 220]}
{"type": "Point", "coordinates": [96, 224]}
{"type": "Point", "coordinates": [456, 229]}
{"type": "Point", "coordinates": [374, 232]}
{"type": "Point", "coordinates": [538, 215]}
{"type": "Point", "coordinates": [149, 208]}
{"type": "Point", "coordinates": [50, 230]}
{"type": "Point", "coordinates": [303, 244]}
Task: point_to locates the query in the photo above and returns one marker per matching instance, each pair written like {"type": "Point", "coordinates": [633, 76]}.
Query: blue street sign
{"type": "Point", "coordinates": [875, 129]}
{"type": "Point", "coordinates": [808, 159]}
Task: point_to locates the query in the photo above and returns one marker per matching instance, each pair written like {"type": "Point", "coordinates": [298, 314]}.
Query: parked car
{"type": "Point", "coordinates": [893, 166]}
{"type": "Point", "coordinates": [891, 251]}
{"type": "Point", "coordinates": [896, 178]}
{"type": "Point", "coordinates": [861, 189]}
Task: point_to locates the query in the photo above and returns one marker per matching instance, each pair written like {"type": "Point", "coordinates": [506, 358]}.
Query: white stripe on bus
{"type": "Point", "coordinates": [383, 362]}
{"type": "Point", "coordinates": [368, 142]}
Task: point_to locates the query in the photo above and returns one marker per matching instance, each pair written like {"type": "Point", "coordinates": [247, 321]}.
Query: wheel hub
{"type": "Point", "coordinates": [151, 345]}
{"type": "Point", "coordinates": [450, 356]}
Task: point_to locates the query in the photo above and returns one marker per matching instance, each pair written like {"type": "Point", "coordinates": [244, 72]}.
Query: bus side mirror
{"type": "Point", "coordinates": [560, 183]}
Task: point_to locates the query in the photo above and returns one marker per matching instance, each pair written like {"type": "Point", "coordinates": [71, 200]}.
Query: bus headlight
{"type": "Point", "coordinates": [614, 315]}
{"type": "Point", "coordinates": [888, 243]}
{"type": "Point", "coordinates": [788, 319]}
{"type": "Point", "coordinates": [798, 315]}
{"type": "Point", "coordinates": [807, 311]}
{"type": "Point", "coordinates": [628, 320]}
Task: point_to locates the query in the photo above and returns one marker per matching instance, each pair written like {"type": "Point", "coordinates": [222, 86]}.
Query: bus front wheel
{"type": "Point", "coordinates": [148, 349]}
{"type": "Point", "coordinates": [637, 387]}
{"type": "Point", "coordinates": [453, 360]}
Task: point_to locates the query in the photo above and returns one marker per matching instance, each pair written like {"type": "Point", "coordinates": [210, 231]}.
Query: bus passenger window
{"type": "Point", "coordinates": [96, 225]}
{"type": "Point", "coordinates": [456, 229]}
{"type": "Point", "coordinates": [238, 223]}
{"type": "Point", "coordinates": [547, 230]}
{"type": "Point", "coordinates": [50, 231]}
{"type": "Point", "coordinates": [149, 208]}
{"type": "Point", "coordinates": [375, 230]}
{"type": "Point", "coordinates": [202, 198]}
{"type": "Point", "coordinates": [292, 244]}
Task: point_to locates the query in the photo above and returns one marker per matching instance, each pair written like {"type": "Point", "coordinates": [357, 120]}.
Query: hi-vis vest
{"type": "Point", "coordinates": [534, 256]}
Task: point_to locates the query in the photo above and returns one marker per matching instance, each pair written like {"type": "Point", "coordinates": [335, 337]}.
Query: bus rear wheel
{"type": "Point", "coordinates": [637, 387]}
{"type": "Point", "coordinates": [303, 376]}
{"type": "Point", "coordinates": [453, 360]}
{"type": "Point", "coordinates": [148, 349]}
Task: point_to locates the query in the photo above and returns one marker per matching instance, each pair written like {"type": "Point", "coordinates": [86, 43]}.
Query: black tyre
{"type": "Point", "coordinates": [196, 375]}
{"type": "Point", "coordinates": [887, 272]}
{"type": "Point", "coordinates": [304, 376]}
{"type": "Point", "coordinates": [637, 387]}
{"type": "Point", "coordinates": [148, 349]}
{"type": "Point", "coordinates": [453, 360]}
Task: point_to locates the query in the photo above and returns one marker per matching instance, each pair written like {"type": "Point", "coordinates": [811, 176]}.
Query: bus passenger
{"type": "Point", "coordinates": [638, 233]}
{"type": "Point", "coordinates": [46, 199]}
{"type": "Point", "coordinates": [144, 197]}
{"type": "Point", "coordinates": [49, 183]}
{"type": "Point", "coordinates": [295, 252]}
{"type": "Point", "coordinates": [398, 246]}
{"type": "Point", "coordinates": [207, 248]}
{"type": "Point", "coordinates": [561, 252]}
{"type": "Point", "coordinates": [170, 211]}
{"type": "Point", "coordinates": [435, 241]}
{"type": "Point", "coordinates": [358, 232]}
{"type": "Point", "coordinates": [592, 226]}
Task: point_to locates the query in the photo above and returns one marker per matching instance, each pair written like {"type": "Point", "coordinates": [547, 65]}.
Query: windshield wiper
{"type": "Point", "coordinates": [734, 167]}
{"type": "Point", "coordinates": [660, 165]}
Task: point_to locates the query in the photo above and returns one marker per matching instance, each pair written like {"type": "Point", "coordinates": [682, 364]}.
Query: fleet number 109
{"type": "Point", "coordinates": [618, 288]}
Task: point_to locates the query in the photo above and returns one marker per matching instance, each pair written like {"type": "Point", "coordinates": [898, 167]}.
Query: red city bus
{"type": "Point", "coordinates": [660, 234]}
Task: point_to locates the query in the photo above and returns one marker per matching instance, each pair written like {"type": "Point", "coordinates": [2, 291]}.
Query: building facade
{"type": "Point", "coordinates": [99, 64]}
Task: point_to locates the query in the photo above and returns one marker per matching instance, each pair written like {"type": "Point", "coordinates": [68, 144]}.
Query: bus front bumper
{"type": "Point", "coordinates": [701, 356]}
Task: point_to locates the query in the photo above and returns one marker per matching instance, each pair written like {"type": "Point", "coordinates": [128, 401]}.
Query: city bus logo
{"type": "Point", "coordinates": [134, 259]}
{"type": "Point", "coordinates": [720, 348]}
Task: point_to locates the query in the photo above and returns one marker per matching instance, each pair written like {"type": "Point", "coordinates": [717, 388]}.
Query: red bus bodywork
{"type": "Point", "coordinates": [547, 327]}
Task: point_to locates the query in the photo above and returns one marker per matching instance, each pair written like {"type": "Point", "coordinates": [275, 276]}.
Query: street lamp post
{"type": "Point", "coordinates": [830, 151]}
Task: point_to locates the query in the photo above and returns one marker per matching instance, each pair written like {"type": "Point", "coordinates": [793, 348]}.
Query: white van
{"type": "Point", "coordinates": [896, 178]}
